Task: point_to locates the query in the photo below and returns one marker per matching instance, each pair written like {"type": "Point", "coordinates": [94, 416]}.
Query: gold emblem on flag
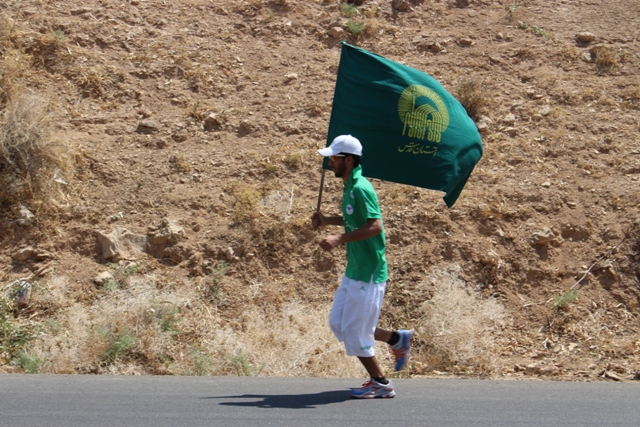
{"type": "Point", "coordinates": [422, 110]}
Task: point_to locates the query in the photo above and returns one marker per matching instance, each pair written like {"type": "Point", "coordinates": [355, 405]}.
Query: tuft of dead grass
{"type": "Point", "coordinates": [472, 94]}
{"type": "Point", "coordinates": [605, 57]}
{"type": "Point", "coordinates": [459, 325]}
{"type": "Point", "coordinates": [33, 167]}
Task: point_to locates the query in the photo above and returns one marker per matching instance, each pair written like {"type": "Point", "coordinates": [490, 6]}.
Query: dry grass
{"type": "Point", "coordinates": [472, 94]}
{"type": "Point", "coordinates": [145, 330]}
{"type": "Point", "coordinates": [33, 168]}
{"type": "Point", "coordinates": [605, 57]}
{"type": "Point", "coordinates": [459, 326]}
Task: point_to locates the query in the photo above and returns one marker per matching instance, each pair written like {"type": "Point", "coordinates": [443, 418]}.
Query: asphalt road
{"type": "Point", "coordinates": [114, 401]}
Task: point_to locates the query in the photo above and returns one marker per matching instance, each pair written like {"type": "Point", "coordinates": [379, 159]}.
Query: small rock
{"type": "Point", "coordinates": [511, 131]}
{"type": "Point", "coordinates": [545, 110]}
{"type": "Point", "coordinates": [465, 41]}
{"type": "Point", "coordinates": [546, 184]}
{"type": "Point", "coordinates": [336, 33]}
{"type": "Point", "coordinates": [26, 217]}
{"type": "Point", "coordinates": [533, 369]}
{"type": "Point", "coordinates": [542, 237]}
{"type": "Point", "coordinates": [401, 5]}
{"type": "Point", "coordinates": [31, 254]}
{"type": "Point", "coordinates": [246, 127]}
{"type": "Point", "coordinates": [80, 11]}
{"type": "Point", "coordinates": [170, 233]}
{"type": "Point", "coordinates": [288, 78]}
{"type": "Point", "coordinates": [509, 119]}
{"type": "Point", "coordinates": [549, 370]}
{"type": "Point", "coordinates": [103, 278]}
{"type": "Point", "coordinates": [121, 244]}
{"type": "Point", "coordinates": [585, 38]}
{"type": "Point", "coordinates": [147, 126]}
{"type": "Point", "coordinates": [432, 46]}
{"type": "Point", "coordinates": [212, 123]}
{"type": "Point", "coordinates": [230, 255]}
{"type": "Point", "coordinates": [180, 136]}
{"type": "Point", "coordinates": [612, 376]}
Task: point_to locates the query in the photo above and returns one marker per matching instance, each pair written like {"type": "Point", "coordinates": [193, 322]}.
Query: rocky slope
{"type": "Point", "coordinates": [194, 126]}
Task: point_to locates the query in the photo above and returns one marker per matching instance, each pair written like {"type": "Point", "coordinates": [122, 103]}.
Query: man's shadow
{"type": "Point", "coordinates": [289, 401]}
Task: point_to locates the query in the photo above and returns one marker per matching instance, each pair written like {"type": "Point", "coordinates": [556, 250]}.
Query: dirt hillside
{"type": "Point", "coordinates": [192, 127]}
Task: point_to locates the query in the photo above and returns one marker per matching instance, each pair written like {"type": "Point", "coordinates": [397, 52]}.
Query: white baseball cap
{"type": "Point", "coordinates": [346, 144]}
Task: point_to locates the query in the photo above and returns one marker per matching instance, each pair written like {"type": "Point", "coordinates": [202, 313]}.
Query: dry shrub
{"type": "Point", "coordinates": [459, 325]}
{"type": "Point", "coordinates": [605, 57]}
{"type": "Point", "coordinates": [49, 51]}
{"type": "Point", "coordinates": [373, 27]}
{"type": "Point", "coordinates": [12, 62]}
{"type": "Point", "coordinates": [246, 210]}
{"type": "Point", "coordinates": [128, 330]}
{"type": "Point", "coordinates": [178, 163]}
{"type": "Point", "coordinates": [248, 8]}
{"type": "Point", "coordinates": [631, 97]}
{"type": "Point", "coordinates": [12, 66]}
{"type": "Point", "coordinates": [293, 340]}
{"type": "Point", "coordinates": [94, 80]}
{"type": "Point", "coordinates": [472, 94]}
{"type": "Point", "coordinates": [151, 328]}
{"type": "Point", "coordinates": [32, 165]}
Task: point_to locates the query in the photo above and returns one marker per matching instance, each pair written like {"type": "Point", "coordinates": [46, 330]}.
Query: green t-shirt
{"type": "Point", "coordinates": [365, 258]}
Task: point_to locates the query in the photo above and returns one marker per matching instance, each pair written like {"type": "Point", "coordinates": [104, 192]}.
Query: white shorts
{"type": "Point", "coordinates": [355, 313]}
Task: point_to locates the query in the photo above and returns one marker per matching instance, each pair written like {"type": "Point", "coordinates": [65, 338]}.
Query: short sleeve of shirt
{"type": "Point", "coordinates": [366, 197]}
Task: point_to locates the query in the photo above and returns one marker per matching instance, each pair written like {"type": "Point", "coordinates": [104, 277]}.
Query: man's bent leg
{"type": "Point", "coordinates": [382, 335]}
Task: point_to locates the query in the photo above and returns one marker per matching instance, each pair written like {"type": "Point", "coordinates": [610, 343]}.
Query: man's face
{"type": "Point", "coordinates": [337, 165]}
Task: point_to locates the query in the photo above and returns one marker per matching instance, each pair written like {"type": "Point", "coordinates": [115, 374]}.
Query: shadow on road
{"type": "Point", "coordinates": [290, 401]}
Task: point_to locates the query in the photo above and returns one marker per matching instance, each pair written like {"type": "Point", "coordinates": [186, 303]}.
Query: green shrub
{"type": "Point", "coordinates": [13, 335]}
{"type": "Point", "coordinates": [562, 301]}
{"type": "Point", "coordinates": [28, 363]}
{"type": "Point", "coordinates": [120, 347]}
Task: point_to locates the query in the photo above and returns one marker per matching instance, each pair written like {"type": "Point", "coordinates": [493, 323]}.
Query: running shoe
{"type": "Point", "coordinates": [373, 389]}
{"type": "Point", "coordinates": [400, 349]}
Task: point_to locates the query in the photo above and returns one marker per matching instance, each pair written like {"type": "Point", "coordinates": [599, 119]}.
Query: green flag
{"type": "Point", "coordinates": [411, 129]}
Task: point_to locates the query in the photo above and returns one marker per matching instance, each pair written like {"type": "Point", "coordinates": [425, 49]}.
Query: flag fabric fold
{"type": "Point", "coordinates": [412, 130]}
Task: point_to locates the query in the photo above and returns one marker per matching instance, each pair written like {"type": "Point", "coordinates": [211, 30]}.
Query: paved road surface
{"type": "Point", "coordinates": [119, 401]}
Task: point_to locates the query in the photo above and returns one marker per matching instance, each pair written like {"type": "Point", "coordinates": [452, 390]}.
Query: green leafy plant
{"type": "Point", "coordinates": [198, 364]}
{"type": "Point", "coordinates": [216, 273]}
{"type": "Point", "coordinates": [119, 347]}
{"type": "Point", "coordinates": [348, 10]}
{"type": "Point", "coordinates": [28, 363]}
{"type": "Point", "coordinates": [562, 301]}
{"type": "Point", "coordinates": [120, 274]}
{"type": "Point", "coordinates": [355, 27]}
{"type": "Point", "coordinates": [169, 317]}
{"type": "Point", "coordinates": [243, 367]}
{"type": "Point", "coordinates": [13, 335]}
{"type": "Point", "coordinates": [532, 29]}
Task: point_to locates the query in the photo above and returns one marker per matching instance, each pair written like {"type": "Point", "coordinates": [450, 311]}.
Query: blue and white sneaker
{"type": "Point", "coordinates": [373, 389]}
{"type": "Point", "coordinates": [400, 349]}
